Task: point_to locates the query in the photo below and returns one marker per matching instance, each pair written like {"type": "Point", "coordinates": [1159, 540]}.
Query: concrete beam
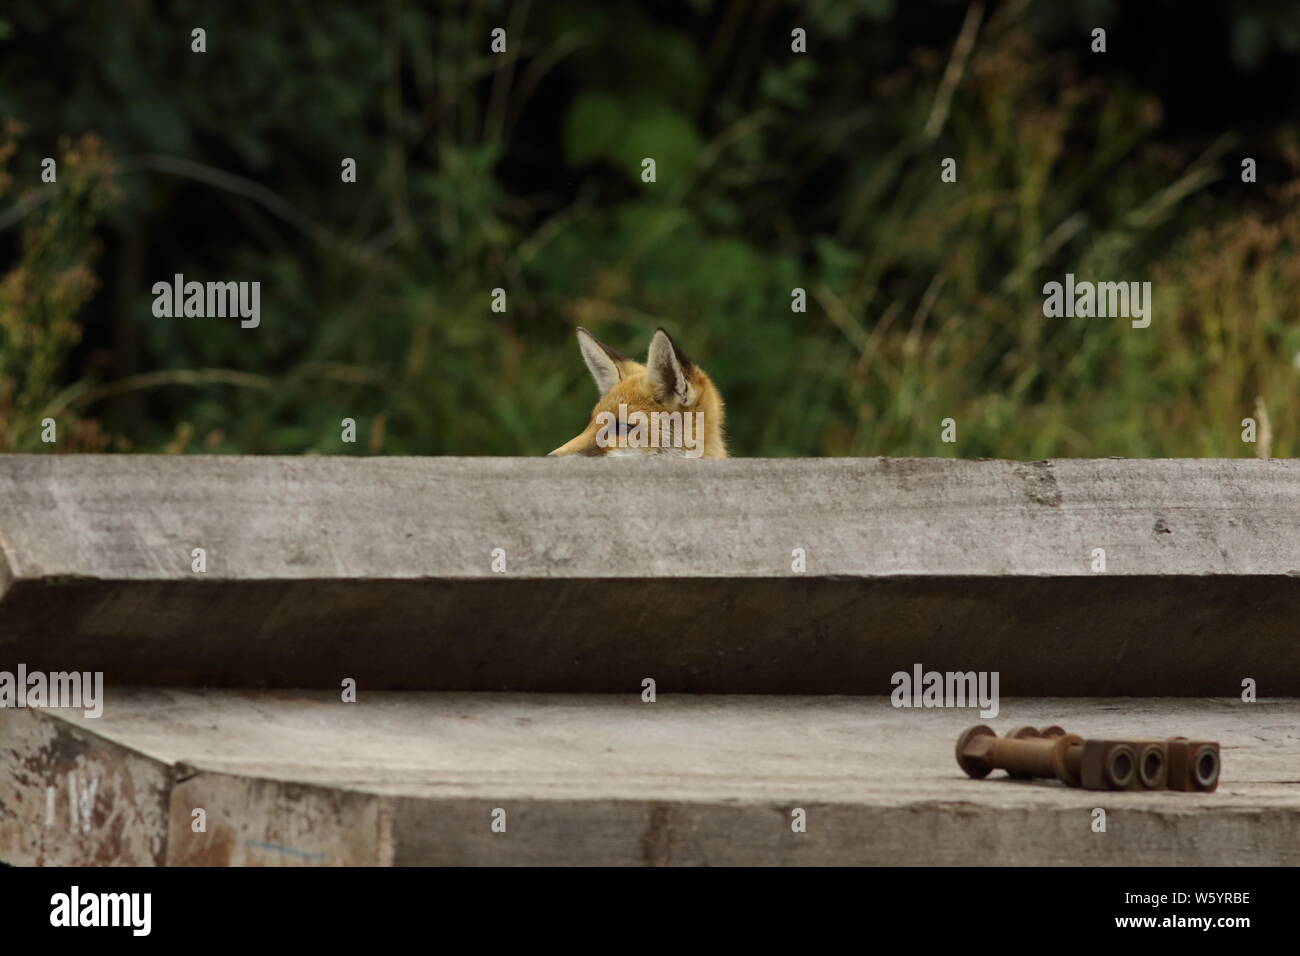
{"type": "Point", "coordinates": [381, 569]}
{"type": "Point", "coordinates": [298, 778]}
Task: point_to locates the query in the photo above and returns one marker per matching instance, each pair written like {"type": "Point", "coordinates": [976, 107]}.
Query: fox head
{"type": "Point", "coordinates": [667, 406]}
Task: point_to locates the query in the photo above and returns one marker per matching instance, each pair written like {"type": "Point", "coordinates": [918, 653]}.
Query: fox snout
{"type": "Point", "coordinates": [668, 406]}
{"type": "Point", "coordinates": [587, 450]}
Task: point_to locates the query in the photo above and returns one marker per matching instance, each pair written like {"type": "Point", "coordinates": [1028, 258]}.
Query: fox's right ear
{"type": "Point", "coordinates": [604, 362]}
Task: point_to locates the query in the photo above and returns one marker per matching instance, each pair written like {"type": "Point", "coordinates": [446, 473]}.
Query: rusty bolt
{"type": "Point", "coordinates": [1067, 758]}
{"type": "Point", "coordinates": [980, 751]}
{"type": "Point", "coordinates": [1023, 733]}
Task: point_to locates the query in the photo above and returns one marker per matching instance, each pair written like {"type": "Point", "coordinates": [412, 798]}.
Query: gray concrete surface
{"type": "Point", "coordinates": [299, 778]}
{"type": "Point", "coordinates": [320, 568]}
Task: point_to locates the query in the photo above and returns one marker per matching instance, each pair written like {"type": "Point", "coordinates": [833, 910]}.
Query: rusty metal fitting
{"type": "Point", "coordinates": [1192, 764]}
{"type": "Point", "coordinates": [1022, 753]}
{"type": "Point", "coordinates": [1173, 764]}
{"type": "Point", "coordinates": [1067, 758]}
{"type": "Point", "coordinates": [980, 751]}
{"type": "Point", "coordinates": [1122, 764]}
{"type": "Point", "coordinates": [1110, 765]}
{"type": "Point", "coordinates": [1152, 763]}
{"type": "Point", "coordinates": [1022, 733]}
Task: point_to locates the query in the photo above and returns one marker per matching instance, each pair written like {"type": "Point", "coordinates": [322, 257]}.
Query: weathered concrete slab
{"type": "Point", "coordinates": [299, 778]}
{"type": "Point", "coordinates": [75, 798]}
{"type": "Point", "coordinates": [322, 568]}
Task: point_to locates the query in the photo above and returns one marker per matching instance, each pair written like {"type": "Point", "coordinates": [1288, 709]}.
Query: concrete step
{"type": "Point", "coordinates": [605, 573]}
{"type": "Point", "coordinates": [300, 778]}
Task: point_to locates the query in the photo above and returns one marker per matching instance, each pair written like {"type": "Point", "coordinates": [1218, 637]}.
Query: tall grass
{"type": "Point", "coordinates": [925, 298]}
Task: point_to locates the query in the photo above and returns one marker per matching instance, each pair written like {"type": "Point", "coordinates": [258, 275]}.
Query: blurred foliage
{"type": "Point", "coordinates": [42, 294]}
{"type": "Point", "coordinates": [775, 170]}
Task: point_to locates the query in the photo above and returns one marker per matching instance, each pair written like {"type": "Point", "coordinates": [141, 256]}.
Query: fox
{"type": "Point", "coordinates": [668, 406]}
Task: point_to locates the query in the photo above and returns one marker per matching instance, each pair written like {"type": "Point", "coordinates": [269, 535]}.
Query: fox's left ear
{"type": "Point", "coordinates": [668, 372]}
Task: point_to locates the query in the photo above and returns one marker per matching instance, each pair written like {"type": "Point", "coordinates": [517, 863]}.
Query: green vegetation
{"type": "Point", "coordinates": [774, 171]}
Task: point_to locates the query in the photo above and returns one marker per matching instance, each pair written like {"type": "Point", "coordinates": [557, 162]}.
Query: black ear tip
{"type": "Point", "coordinates": [667, 338]}
{"type": "Point", "coordinates": [677, 350]}
{"type": "Point", "coordinates": [583, 331]}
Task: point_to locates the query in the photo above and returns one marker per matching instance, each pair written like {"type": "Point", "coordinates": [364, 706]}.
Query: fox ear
{"type": "Point", "coordinates": [668, 372]}
{"type": "Point", "coordinates": [604, 362]}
